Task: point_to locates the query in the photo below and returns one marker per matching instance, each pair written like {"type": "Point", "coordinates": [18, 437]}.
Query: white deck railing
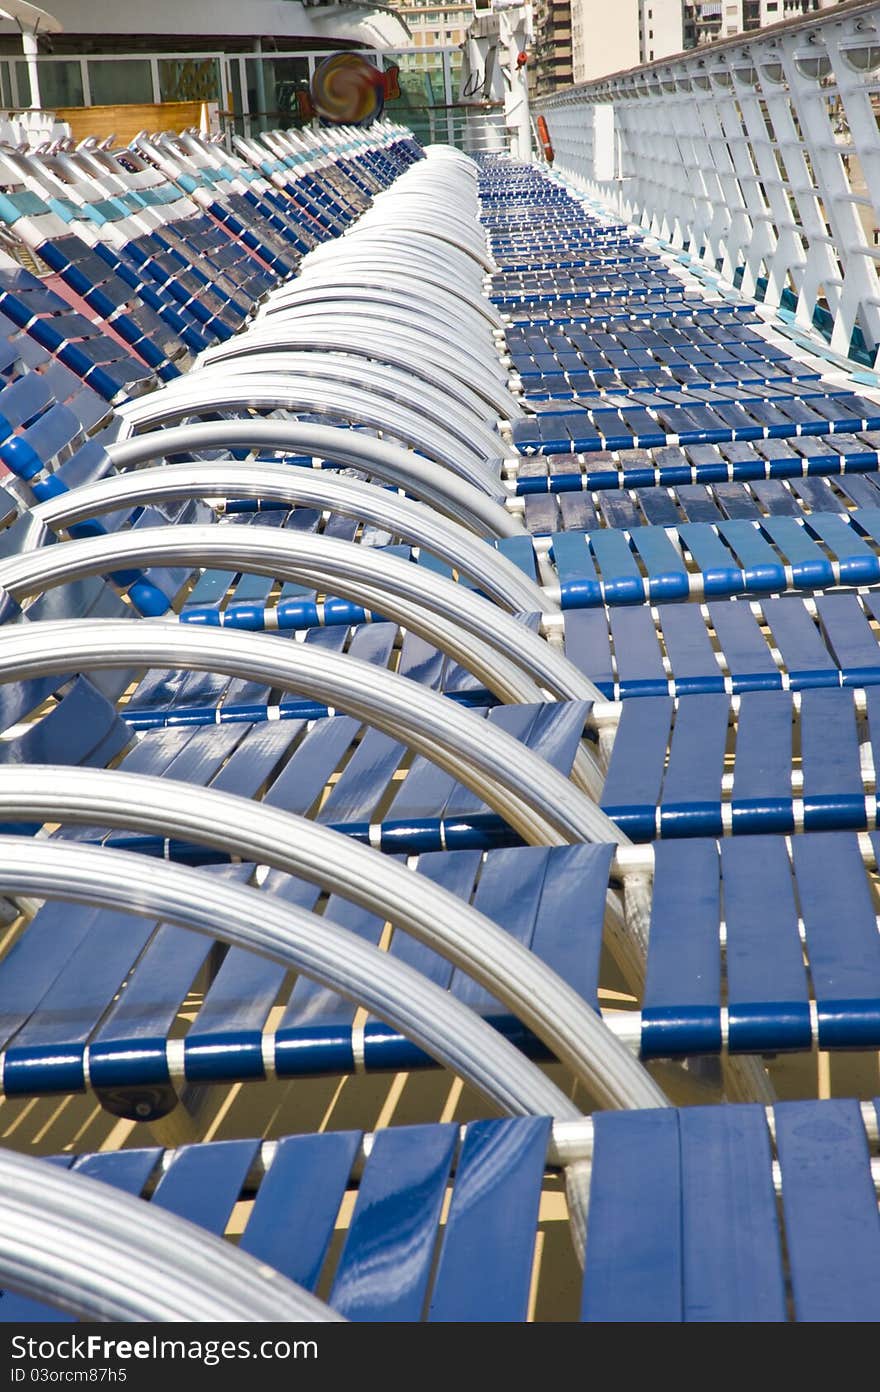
{"type": "Point", "coordinates": [758, 156]}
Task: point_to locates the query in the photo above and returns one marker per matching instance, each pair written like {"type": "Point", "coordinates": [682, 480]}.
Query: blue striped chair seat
{"type": "Point", "coordinates": [755, 946]}
{"type": "Point", "coordinates": [713, 502]}
{"type": "Point", "coordinates": [764, 761]}
{"type": "Point", "coordinates": [653, 419]}
{"type": "Point", "coordinates": [736, 556]}
{"type": "Point", "coordinates": [41, 315]}
{"type": "Point", "coordinates": [687, 649]}
{"type": "Point", "coordinates": [376, 793]}
{"type": "Point", "coordinates": [671, 465]}
{"type": "Point", "coordinates": [673, 1194]}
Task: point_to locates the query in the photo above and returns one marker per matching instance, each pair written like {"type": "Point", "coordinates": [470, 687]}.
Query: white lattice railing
{"type": "Point", "coordinates": [758, 155]}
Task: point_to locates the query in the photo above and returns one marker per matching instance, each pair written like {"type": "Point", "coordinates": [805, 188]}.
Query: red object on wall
{"type": "Point", "coordinates": [544, 137]}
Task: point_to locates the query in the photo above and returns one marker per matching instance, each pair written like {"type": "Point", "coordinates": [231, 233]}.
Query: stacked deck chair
{"type": "Point", "coordinates": [413, 750]}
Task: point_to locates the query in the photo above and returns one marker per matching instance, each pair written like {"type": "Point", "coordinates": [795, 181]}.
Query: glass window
{"type": "Point", "coordinates": [272, 85]}
{"type": "Point", "coordinates": [189, 79]}
{"type": "Point", "coordinates": [235, 97]}
{"type": "Point", "coordinates": [60, 84]}
{"type": "Point", "coordinates": [120, 82]}
{"type": "Point", "coordinates": [23, 83]}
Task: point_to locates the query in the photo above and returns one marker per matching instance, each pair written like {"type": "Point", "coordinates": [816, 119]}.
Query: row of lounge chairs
{"type": "Point", "coordinates": [415, 631]}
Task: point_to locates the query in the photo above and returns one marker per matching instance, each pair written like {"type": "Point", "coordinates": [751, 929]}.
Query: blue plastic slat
{"type": "Point", "coordinates": [732, 1251]}
{"type": "Point", "coordinates": [518, 721]}
{"type": "Point", "coordinates": [634, 1260]}
{"type": "Point", "coordinates": [720, 571]}
{"type": "Point", "coordinates": [542, 514]}
{"type": "Point", "coordinates": [128, 1170]}
{"type": "Point", "coordinates": [872, 701]}
{"type": "Point", "coordinates": [682, 1006]}
{"type": "Point", "coordinates": [833, 792]}
{"type": "Point", "coordinates": [832, 1225]}
{"type": "Point", "coordinates": [622, 581]}
{"type": "Point", "coordinates": [576, 573]}
{"type": "Point", "coordinates": [810, 566]}
{"type": "Point", "coordinates": [303, 778]}
{"type": "Point", "coordinates": [386, 1261]}
{"type": "Point", "coordinates": [373, 642]}
{"type": "Point", "coordinates": [858, 562]}
{"type": "Point", "coordinates": [691, 798]}
{"type": "Point", "coordinates": [761, 565]}
{"type": "Point", "coordinates": [842, 941]}
{"type": "Point", "coordinates": [850, 638]}
{"type": "Point", "coordinates": [691, 656]}
{"type": "Point", "coordinates": [426, 789]}
{"type": "Point", "coordinates": [312, 1002]}
{"type": "Point", "coordinates": [618, 509]}
{"type": "Point", "coordinates": [749, 662]}
{"type": "Point", "coordinates": [155, 751]}
{"type": "Point", "coordinates": [36, 958]}
{"type": "Point", "coordinates": [294, 1213]}
{"type": "Point", "coordinates": [635, 771]}
{"type": "Point", "coordinates": [636, 649]}
{"type": "Point", "coordinates": [807, 660]}
{"type": "Point", "coordinates": [81, 722]}
{"type": "Point", "coordinates": [129, 1048]}
{"type": "Point", "coordinates": [520, 551]}
{"type": "Point", "coordinates": [556, 732]}
{"type": "Point", "coordinates": [698, 503]}
{"type": "Point", "coordinates": [587, 646]}
{"type": "Point", "coordinates": [762, 793]}
{"type": "Point", "coordinates": [364, 780]}
{"type": "Point", "coordinates": [455, 871]}
{"type": "Point", "coordinates": [201, 756]}
{"type": "Point", "coordinates": [509, 893]}
{"type": "Point", "coordinates": [204, 1182]}
{"type": "Point", "coordinates": [578, 513]}
{"type": "Point", "coordinates": [737, 502]}
{"type": "Point", "coordinates": [225, 1038]}
{"type": "Point", "coordinates": [87, 986]}
{"type": "Point", "coordinates": [571, 915]}
{"type": "Point", "coordinates": [422, 663]}
{"type": "Point", "coordinates": [485, 1265]}
{"type": "Point", "coordinates": [667, 574]}
{"type": "Point", "coordinates": [767, 987]}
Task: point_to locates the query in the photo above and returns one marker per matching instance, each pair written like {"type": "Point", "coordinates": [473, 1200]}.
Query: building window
{"type": "Point", "coordinates": [116, 82]}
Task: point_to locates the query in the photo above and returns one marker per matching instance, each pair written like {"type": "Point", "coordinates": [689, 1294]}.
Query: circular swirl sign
{"type": "Point", "coordinates": [347, 90]}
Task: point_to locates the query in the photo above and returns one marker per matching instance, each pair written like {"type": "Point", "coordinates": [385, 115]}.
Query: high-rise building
{"type": "Point", "coordinates": [552, 58]}
{"type": "Point", "coordinates": [641, 31]}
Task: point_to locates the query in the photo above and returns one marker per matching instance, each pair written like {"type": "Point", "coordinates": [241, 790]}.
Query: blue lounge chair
{"type": "Point", "coordinates": [672, 1194]}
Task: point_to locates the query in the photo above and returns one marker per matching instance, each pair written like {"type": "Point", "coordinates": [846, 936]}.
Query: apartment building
{"type": "Point", "coordinates": [721, 19]}
{"type": "Point", "coordinates": [434, 26]}
{"type": "Point", "coordinates": [643, 31]}
{"type": "Point", "coordinates": [552, 56]}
